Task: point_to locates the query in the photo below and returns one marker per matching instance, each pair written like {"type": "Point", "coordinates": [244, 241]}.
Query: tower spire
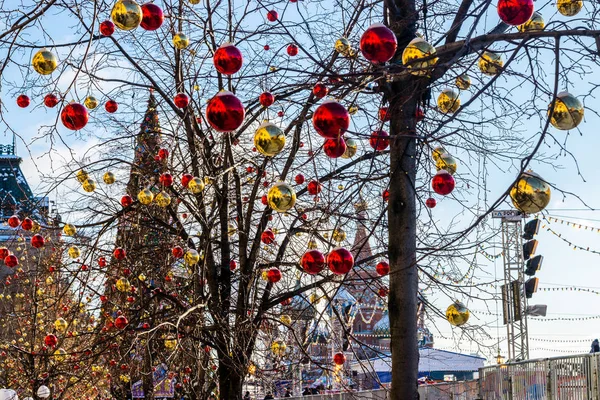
{"type": "Point", "coordinates": [361, 246]}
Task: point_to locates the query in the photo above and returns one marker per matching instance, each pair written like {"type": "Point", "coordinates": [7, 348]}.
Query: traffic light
{"type": "Point", "coordinates": [529, 249]}
{"type": "Point", "coordinates": [531, 287]}
{"type": "Point", "coordinates": [531, 229]}
{"type": "Point", "coordinates": [533, 265]}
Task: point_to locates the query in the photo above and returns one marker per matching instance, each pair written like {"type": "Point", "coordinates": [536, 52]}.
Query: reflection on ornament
{"type": "Point", "coordinates": [163, 199]}
{"type": "Point", "coordinates": [448, 101]}
{"type": "Point", "coordinates": [342, 46]}
{"type": "Point", "coordinates": [108, 178]}
{"type": "Point", "coordinates": [535, 23]}
{"type": "Point", "coordinates": [89, 186]}
{"type": "Point", "coordinates": [457, 314]}
{"type": "Point", "coordinates": [74, 116]}
{"type": "Point", "coordinates": [69, 230]}
{"type": "Point", "coordinates": [490, 63]}
{"type": "Point", "coordinates": [82, 176]}
{"type": "Point", "coordinates": [269, 139]}
{"type": "Point", "coordinates": [334, 148]}
{"type": "Point", "coordinates": [463, 82]}
{"type": "Point", "coordinates": [443, 183]}
{"type": "Point", "coordinates": [281, 197]}
{"type": "Point", "coordinates": [530, 194]}
{"type": "Point", "coordinates": [145, 196]}
{"type": "Point", "coordinates": [191, 257]}
{"type": "Point", "coordinates": [338, 235]}
{"type": "Point", "coordinates": [126, 14]}
{"type": "Point", "coordinates": [340, 261]}
{"type": "Point", "coordinates": [569, 8]}
{"type": "Point", "coordinates": [313, 261]}
{"type": "Point", "coordinates": [378, 43]}
{"type": "Point", "coordinates": [515, 12]}
{"type": "Point", "coordinates": [437, 152]}
{"type": "Point", "coordinates": [278, 348]}
{"type": "Point", "coordinates": [446, 162]}
{"type": "Point", "coordinates": [44, 62]}
{"type": "Point", "coordinates": [90, 102]}
{"type": "Point", "coordinates": [228, 59]}
{"type": "Point", "coordinates": [351, 148]}
{"type": "Point", "coordinates": [331, 119]}
{"type": "Point", "coordinates": [122, 284]}
{"type": "Point", "coordinates": [417, 50]}
{"type": "Point", "coordinates": [568, 111]}
{"type": "Point", "coordinates": [180, 41]}
{"type": "Point", "coordinates": [225, 112]}
{"type": "Point", "coordinates": [152, 17]}
{"type": "Point", "coordinates": [196, 185]}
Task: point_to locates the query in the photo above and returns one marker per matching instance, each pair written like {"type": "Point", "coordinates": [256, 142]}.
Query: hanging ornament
{"type": "Point", "coordinates": [331, 119]}
{"type": "Point", "coordinates": [191, 257]}
{"type": "Point", "coordinates": [339, 358]}
{"type": "Point", "coordinates": [14, 221]}
{"type": "Point", "coordinates": [266, 99]}
{"type": "Point", "coordinates": [338, 235]}
{"type": "Point", "coordinates": [515, 12]}
{"type": "Point", "coordinates": [286, 320]}
{"type": "Point", "coordinates": [351, 148]}
{"type": "Point", "coordinates": [418, 49]}
{"type": "Point", "coordinates": [152, 17]}
{"type": "Point", "coordinates": [269, 139]}
{"type": "Point", "coordinates": [437, 152]}
{"type": "Point", "coordinates": [162, 199]}
{"type": "Point", "coordinates": [267, 237]}
{"type": "Point", "coordinates": [378, 43]}
{"type": "Point", "coordinates": [50, 340]}
{"type": "Point", "coordinates": [299, 179]}
{"type": "Point", "coordinates": [443, 183]}
{"type": "Point", "coordinates": [37, 241]}
{"type": "Point", "coordinates": [457, 314]}
{"type": "Point", "coordinates": [292, 50]}
{"type": "Point", "coordinates": [126, 200]}
{"type": "Point", "coordinates": [196, 185]}
{"type": "Point", "coordinates": [166, 179]}
{"type": "Point", "coordinates": [90, 102]}
{"type": "Point", "coordinates": [379, 140]}
{"type": "Point", "coordinates": [69, 230]}
{"type": "Point", "coordinates": [419, 114]}
{"type": "Point", "coordinates": [181, 41]}
{"type": "Point", "coordinates": [383, 114]}
{"type": "Point", "coordinates": [145, 196]}
{"type": "Point", "coordinates": [225, 112]}
{"type": "Point", "coordinates": [320, 90]}
{"type": "Point", "coordinates": [177, 252]}
{"type": "Point", "coordinates": [272, 16]}
{"type": "Point", "coordinates": [122, 284]}
{"type": "Point", "coordinates": [44, 62]}
{"type": "Point", "coordinates": [446, 162]}
{"type": "Point", "coordinates": [108, 178]}
{"type": "Point", "coordinates": [274, 275]}
{"type": "Point", "coordinates": [340, 261]}
{"type": "Point", "coordinates": [490, 63]}
{"type": "Point", "coordinates": [430, 202]}
{"type": "Point", "coordinates": [342, 46]}
{"type": "Point", "coordinates": [74, 116]}
{"type": "Point", "coordinates": [535, 23]}
{"type": "Point", "coordinates": [89, 185]}
{"type": "Point", "coordinates": [186, 179]}
{"type": "Point", "coordinates": [61, 325]}
{"type": "Point", "coordinates": [181, 100]}
{"type": "Point", "coordinates": [335, 148]}
{"type": "Point", "coordinates": [530, 194]}
{"type": "Point", "coordinates": [568, 112]}
{"type": "Point", "coordinates": [27, 224]}
{"type": "Point", "coordinates": [569, 8]}
{"type": "Point", "coordinates": [312, 262]}
{"type": "Point", "coordinates": [121, 322]}
{"type": "Point", "coordinates": [111, 106]}
{"type": "Point", "coordinates": [50, 100]}
{"type": "Point", "coordinates": [228, 59]}
{"type": "Point", "coordinates": [23, 101]}
{"type": "Point", "coordinates": [74, 252]}
{"type": "Point", "coordinates": [382, 268]}
{"type": "Point", "coordinates": [463, 82]}
{"type": "Point", "coordinates": [126, 14]}
{"type": "Point", "coordinates": [278, 348]}
{"type": "Point", "coordinates": [119, 253]}
{"type": "Point", "coordinates": [11, 261]}
{"type": "Point", "coordinates": [281, 197]}
{"type": "Point", "coordinates": [448, 101]}
{"type": "Point", "coordinates": [314, 187]}
{"type": "Point", "coordinates": [107, 28]}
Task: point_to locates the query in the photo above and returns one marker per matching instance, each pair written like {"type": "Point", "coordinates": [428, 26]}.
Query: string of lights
{"type": "Point", "coordinates": [571, 223]}
{"type": "Point", "coordinates": [571, 244]}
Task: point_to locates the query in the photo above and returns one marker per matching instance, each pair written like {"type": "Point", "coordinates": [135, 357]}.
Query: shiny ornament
{"type": "Point", "coordinates": [281, 197]}
{"type": "Point", "coordinates": [111, 106]}
{"type": "Point", "coordinates": [320, 90]}
{"type": "Point", "coordinates": [267, 237]}
{"type": "Point", "coordinates": [152, 17]}
{"type": "Point", "coordinates": [90, 102]}
{"type": "Point", "coordinates": [382, 268]}
{"type": "Point", "coordinates": [145, 196]}
{"type": "Point", "coordinates": [50, 100]}
{"type": "Point", "coordinates": [535, 23]}
{"type": "Point", "coordinates": [312, 262]}
{"type": "Point", "coordinates": [108, 178]}
{"type": "Point", "coordinates": [4, 252]}
{"type": "Point", "coordinates": [107, 28]}
{"type": "Point", "coordinates": [37, 241]}
{"type": "Point", "coordinates": [126, 14]}
{"type": "Point", "coordinates": [61, 325]}
{"type": "Point", "coordinates": [11, 261]}
{"type": "Point", "coordinates": [443, 183]}
{"type": "Point", "coordinates": [23, 101]}
{"type": "Point", "coordinates": [378, 43]}
{"type": "Point", "coordinates": [530, 194]}
{"type": "Point", "coordinates": [437, 152]}
{"type": "Point", "coordinates": [334, 148]}
{"type": "Point", "coordinates": [225, 112]}
{"type": "Point", "coordinates": [419, 57]}
{"type": "Point", "coordinates": [69, 230]}
{"type": "Point", "coordinates": [351, 148]}
{"type": "Point", "coordinates": [430, 202]}
{"type": "Point", "coordinates": [569, 8]}
{"type": "Point", "coordinates": [74, 252]}
{"type": "Point", "coordinates": [50, 340]}
{"type": "Point", "coordinates": [89, 185]}
{"type": "Point", "coordinates": [122, 284]}
{"type": "Point", "coordinates": [338, 235]}
{"type": "Point", "coordinates": [27, 224]}
{"type": "Point", "coordinates": [181, 41]}
{"type": "Point", "coordinates": [82, 176]}
{"type": "Point", "coordinates": [292, 50]}
{"type": "Point", "coordinates": [14, 221]}
{"type": "Point", "coordinates": [446, 162]}
{"type": "Point", "coordinates": [457, 314]}
{"type": "Point", "coordinates": [228, 59]}
{"type": "Point", "coordinates": [285, 319]}
{"type": "Point", "coordinates": [272, 16]}
{"type": "Point", "coordinates": [299, 179]}
{"type": "Point", "coordinates": [568, 112]}
{"type": "Point", "coordinates": [177, 252]}
{"type": "Point", "coordinates": [515, 12]}
{"type": "Point", "coordinates": [266, 99]}
{"type": "Point", "coordinates": [191, 257]}
{"type": "Point", "coordinates": [342, 46]}
{"type": "Point", "coordinates": [196, 185]}
{"type": "Point", "coordinates": [181, 100]}
{"type": "Point", "coordinates": [339, 358]}
{"type": "Point", "coordinates": [170, 343]}
{"type": "Point", "coordinates": [448, 101]}
{"type": "Point", "coordinates": [269, 139]}
{"type": "Point", "coordinates": [274, 275]}
{"type": "Point", "coordinates": [121, 322]}
{"type": "Point", "coordinates": [314, 187]}
{"type": "Point", "coordinates": [166, 179]}
{"type": "Point", "coordinates": [74, 116]}
{"type": "Point", "coordinates": [463, 82]}
{"type": "Point", "coordinates": [340, 261]}
{"type": "Point", "coordinates": [126, 200]}
{"type": "Point", "coordinates": [383, 114]}
{"type": "Point", "coordinates": [490, 63]}
{"type": "Point", "coordinates": [379, 140]}
{"type": "Point", "coordinates": [44, 62]}
{"type": "Point", "coordinates": [162, 199]}
{"type": "Point", "coordinates": [119, 253]}
{"type": "Point", "coordinates": [331, 119]}
{"type": "Point", "coordinates": [186, 179]}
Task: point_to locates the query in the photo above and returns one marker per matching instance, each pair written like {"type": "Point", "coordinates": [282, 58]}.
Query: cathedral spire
{"type": "Point", "coordinates": [361, 247]}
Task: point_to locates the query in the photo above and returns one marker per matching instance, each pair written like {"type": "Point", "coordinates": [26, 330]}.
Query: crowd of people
{"type": "Point", "coordinates": [307, 391]}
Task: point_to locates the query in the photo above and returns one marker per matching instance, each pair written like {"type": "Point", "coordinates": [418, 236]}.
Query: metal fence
{"type": "Point", "coordinates": [560, 378]}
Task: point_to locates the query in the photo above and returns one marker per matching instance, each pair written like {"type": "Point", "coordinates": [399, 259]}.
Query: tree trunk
{"type": "Point", "coordinates": [230, 380]}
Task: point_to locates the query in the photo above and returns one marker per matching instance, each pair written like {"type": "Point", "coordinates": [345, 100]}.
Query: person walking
{"type": "Point", "coordinates": [246, 396]}
{"type": "Point", "coordinates": [595, 346]}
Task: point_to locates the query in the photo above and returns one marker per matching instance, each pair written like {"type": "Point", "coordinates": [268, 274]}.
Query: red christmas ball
{"type": "Point", "coordinates": [232, 265]}
{"type": "Point", "coordinates": [14, 221]}
{"type": "Point", "coordinates": [3, 252]}
{"type": "Point", "coordinates": [383, 291]}
{"type": "Point", "coordinates": [292, 50]}
{"type": "Point", "coordinates": [382, 268]}
{"type": "Point", "coordinates": [186, 179]}
{"type": "Point", "coordinates": [314, 187]}
{"type": "Point", "coordinates": [166, 179]}
{"type": "Point", "coordinates": [266, 99]}
{"type": "Point", "coordinates": [334, 148]}
{"type": "Point", "coordinates": [102, 262]}
{"type": "Point", "coordinates": [299, 179]}
{"type": "Point", "coordinates": [320, 90]}
{"type": "Point", "coordinates": [430, 202]}
{"type": "Point", "coordinates": [111, 106]}
{"type": "Point", "coordinates": [286, 302]}
{"type": "Point", "coordinates": [126, 200]}
{"type": "Point", "coordinates": [378, 44]}
{"type": "Point", "coordinates": [383, 114]}
{"type": "Point", "coordinates": [74, 116]}
{"type": "Point", "coordinates": [419, 114]}
{"type": "Point", "coordinates": [119, 253]}
{"type": "Point", "coordinates": [340, 261]}
{"type": "Point", "coordinates": [267, 237]}
{"type": "Point", "coordinates": [331, 119]}
{"type": "Point", "coordinates": [228, 59]}
{"type": "Point", "coordinates": [181, 100]}
{"type": "Point", "coordinates": [163, 154]}
{"type": "Point", "coordinates": [443, 183]}
{"type": "Point", "coordinates": [385, 195]}
{"type": "Point", "coordinates": [274, 275]}
{"type": "Point", "coordinates": [50, 340]}
{"type": "Point", "coordinates": [37, 241]}
{"type": "Point", "coordinates": [339, 358]}
{"type": "Point", "coordinates": [272, 15]}
{"type": "Point", "coordinates": [11, 261]}
{"type": "Point", "coordinates": [225, 112]}
{"type": "Point", "coordinates": [177, 252]}
{"type": "Point", "coordinates": [27, 224]}
{"type": "Point", "coordinates": [50, 100]}
{"type": "Point", "coordinates": [379, 140]}
{"type": "Point", "coordinates": [312, 262]}
{"type": "Point", "coordinates": [121, 322]}
{"type": "Point", "coordinates": [515, 12]}
{"type": "Point", "coordinates": [264, 200]}
{"type": "Point", "coordinates": [107, 28]}
{"type": "Point", "coordinates": [23, 101]}
{"type": "Point", "coordinates": [152, 17]}
{"type": "Point", "coordinates": [266, 47]}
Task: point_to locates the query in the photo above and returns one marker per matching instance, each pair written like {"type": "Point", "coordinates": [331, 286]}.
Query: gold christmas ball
{"type": "Point", "coordinates": [446, 162]}
{"type": "Point", "coordinates": [252, 369]}
{"type": "Point", "coordinates": [490, 63]}
{"type": "Point", "coordinates": [417, 50]}
{"type": "Point", "coordinates": [269, 139]}
{"type": "Point", "coordinates": [82, 176]}
{"type": "Point", "coordinates": [49, 281]}
{"type": "Point", "coordinates": [437, 152]}
{"type": "Point", "coordinates": [314, 298]}
{"type": "Point", "coordinates": [194, 2]}
{"type": "Point", "coordinates": [568, 112]}
{"type": "Point", "coordinates": [286, 319]}
{"type": "Point", "coordinates": [191, 257]}
{"type": "Point", "coordinates": [145, 196]}
{"type": "Point", "coordinates": [44, 62]}
{"type": "Point", "coordinates": [196, 185]}
{"type": "Point", "coordinates": [312, 244]}
{"type": "Point", "coordinates": [108, 178]}
{"type": "Point", "coordinates": [170, 343]}
{"type": "Point", "coordinates": [69, 230]}
{"type": "Point", "coordinates": [60, 355]}
{"type": "Point", "coordinates": [123, 284]}
{"type": "Point", "coordinates": [530, 194]}
{"type": "Point", "coordinates": [457, 314]}
{"type": "Point", "coordinates": [448, 101]}
{"type": "Point", "coordinates": [74, 252]}
{"type": "Point", "coordinates": [163, 199]}
{"type": "Point", "coordinates": [338, 235]}
{"type": "Point", "coordinates": [281, 197]}
{"type": "Point", "coordinates": [463, 82]}
{"type": "Point", "coordinates": [89, 186]}
{"type": "Point", "coordinates": [278, 348]}
{"type": "Point", "coordinates": [351, 148]}
{"type": "Point", "coordinates": [535, 23]}
{"type": "Point", "coordinates": [180, 41]}
{"type": "Point", "coordinates": [569, 7]}
{"type": "Point", "coordinates": [61, 325]}
{"type": "Point", "coordinates": [352, 109]}
{"type": "Point", "coordinates": [142, 277]}
{"type": "Point", "coordinates": [90, 102]}
{"type": "Point", "coordinates": [36, 227]}
{"type": "Point", "coordinates": [126, 14]}
{"type": "Point", "coordinates": [342, 46]}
